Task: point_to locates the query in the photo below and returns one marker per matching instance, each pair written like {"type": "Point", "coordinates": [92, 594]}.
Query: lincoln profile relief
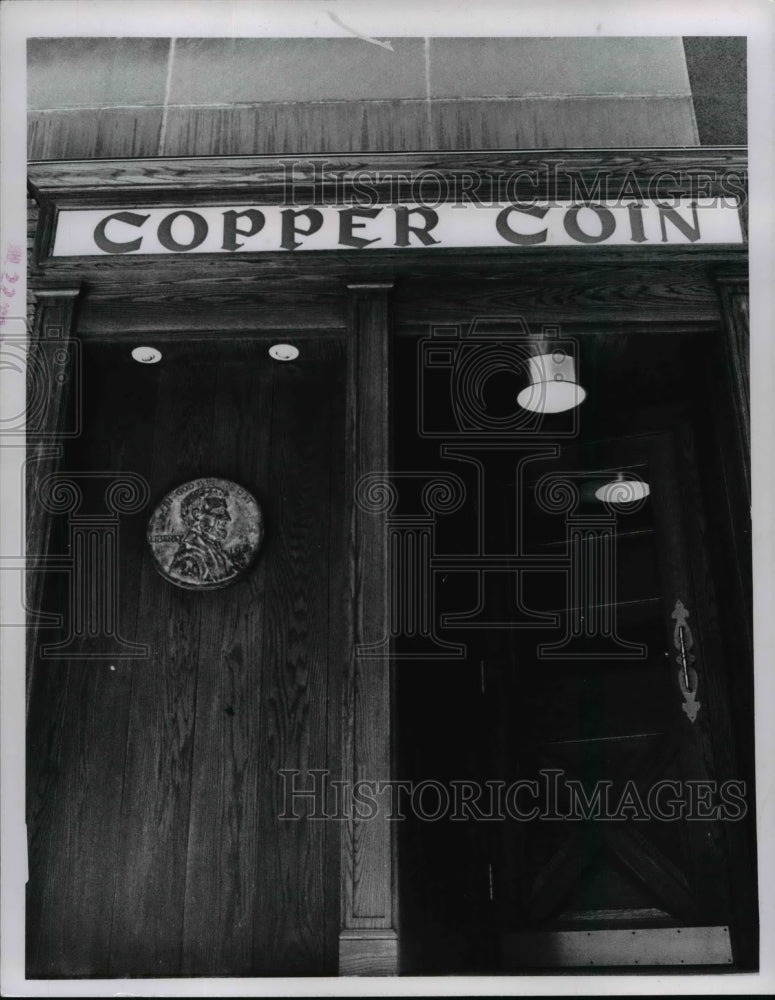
{"type": "Point", "coordinates": [205, 533]}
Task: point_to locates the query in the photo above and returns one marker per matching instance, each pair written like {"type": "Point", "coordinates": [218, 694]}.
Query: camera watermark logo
{"type": "Point", "coordinates": [411, 551]}
{"type": "Point", "coordinates": [92, 562]}
{"type": "Point", "coordinates": [491, 397]}
{"type": "Point", "coordinates": [458, 367]}
{"type": "Point", "coordinates": [50, 367]}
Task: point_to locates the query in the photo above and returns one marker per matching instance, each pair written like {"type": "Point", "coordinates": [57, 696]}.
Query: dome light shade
{"type": "Point", "coordinates": [553, 387]}
{"type": "Point", "coordinates": [621, 490]}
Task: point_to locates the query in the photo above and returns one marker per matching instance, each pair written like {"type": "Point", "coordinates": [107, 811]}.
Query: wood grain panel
{"type": "Point", "coordinates": [299, 128]}
{"type": "Point", "coordinates": [553, 122]}
{"type": "Point", "coordinates": [62, 135]}
{"type": "Point", "coordinates": [322, 315]}
{"type": "Point", "coordinates": [151, 869]}
{"type": "Point", "coordinates": [178, 280]}
{"type": "Point", "coordinates": [155, 843]}
{"type": "Point", "coordinates": [733, 292]}
{"type": "Point", "coordinates": [46, 755]}
{"type": "Point", "coordinates": [293, 128]}
{"type": "Point", "coordinates": [85, 707]}
{"type": "Point", "coordinates": [290, 932]}
{"type": "Point", "coordinates": [721, 738]}
{"type": "Point", "coordinates": [368, 849]}
{"type": "Point", "coordinates": [583, 294]}
{"type": "Point", "coordinates": [509, 174]}
{"type": "Point", "coordinates": [367, 953]}
{"type": "Point", "coordinates": [223, 897]}
{"type": "Point", "coordinates": [88, 133]}
{"type": "Point", "coordinates": [54, 402]}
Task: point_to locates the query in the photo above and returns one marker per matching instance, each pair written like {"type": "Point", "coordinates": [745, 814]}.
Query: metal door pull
{"type": "Point", "coordinates": [687, 675]}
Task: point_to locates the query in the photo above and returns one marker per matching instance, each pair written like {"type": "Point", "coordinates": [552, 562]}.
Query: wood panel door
{"type": "Point", "coordinates": [616, 717]}
{"type": "Point", "coordinates": [486, 888]}
{"type": "Point", "coordinates": [155, 843]}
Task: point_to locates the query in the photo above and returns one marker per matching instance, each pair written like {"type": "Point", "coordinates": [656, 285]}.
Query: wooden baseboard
{"type": "Point", "coordinates": [368, 953]}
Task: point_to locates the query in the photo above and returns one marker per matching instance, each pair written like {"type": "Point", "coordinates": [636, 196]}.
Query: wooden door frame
{"type": "Point", "coordinates": [352, 289]}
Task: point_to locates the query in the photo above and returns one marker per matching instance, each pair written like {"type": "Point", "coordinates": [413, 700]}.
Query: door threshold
{"type": "Point", "coordinates": [650, 946]}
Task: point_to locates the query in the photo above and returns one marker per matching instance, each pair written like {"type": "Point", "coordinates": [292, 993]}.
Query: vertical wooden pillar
{"type": "Point", "coordinates": [368, 940]}
{"type": "Point", "coordinates": [733, 292]}
{"type": "Point", "coordinates": [53, 374]}
{"type": "Point", "coordinates": [737, 599]}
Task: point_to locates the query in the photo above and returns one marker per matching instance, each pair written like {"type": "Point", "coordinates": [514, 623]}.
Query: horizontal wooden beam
{"type": "Point", "coordinates": [528, 172]}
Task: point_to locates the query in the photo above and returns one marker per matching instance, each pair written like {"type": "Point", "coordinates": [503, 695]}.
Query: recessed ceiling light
{"type": "Point", "coordinates": [146, 355]}
{"type": "Point", "coordinates": [283, 352]}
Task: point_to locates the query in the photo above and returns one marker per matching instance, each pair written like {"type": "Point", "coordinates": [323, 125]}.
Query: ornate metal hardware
{"type": "Point", "coordinates": [687, 675]}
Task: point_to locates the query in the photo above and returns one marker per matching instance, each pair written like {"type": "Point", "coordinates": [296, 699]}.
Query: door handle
{"type": "Point", "coordinates": [688, 679]}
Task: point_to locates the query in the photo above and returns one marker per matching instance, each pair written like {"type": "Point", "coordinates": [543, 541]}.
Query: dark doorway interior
{"type": "Point", "coordinates": [475, 892]}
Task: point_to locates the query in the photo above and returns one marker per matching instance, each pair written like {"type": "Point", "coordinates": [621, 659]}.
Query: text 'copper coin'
{"type": "Point", "coordinates": [205, 534]}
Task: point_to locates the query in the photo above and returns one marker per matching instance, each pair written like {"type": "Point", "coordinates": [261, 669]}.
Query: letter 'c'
{"type": "Point", "coordinates": [521, 239]}
{"type": "Point", "coordinates": [110, 246]}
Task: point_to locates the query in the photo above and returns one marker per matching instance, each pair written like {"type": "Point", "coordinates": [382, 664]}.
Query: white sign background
{"type": "Point", "coordinates": [459, 225]}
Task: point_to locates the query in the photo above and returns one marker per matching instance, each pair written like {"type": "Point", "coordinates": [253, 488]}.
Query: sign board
{"type": "Point", "coordinates": [228, 229]}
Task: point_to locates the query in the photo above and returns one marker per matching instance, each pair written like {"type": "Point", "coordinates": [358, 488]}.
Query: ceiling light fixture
{"type": "Point", "coordinates": [283, 352]}
{"type": "Point", "coordinates": [146, 355]}
{"type": "Point", "coordinates": [621, 490]}
{"type": "Point", "coordinates": [553, 386]}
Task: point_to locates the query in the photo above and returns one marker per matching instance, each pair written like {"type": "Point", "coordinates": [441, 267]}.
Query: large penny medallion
{"type": "Point", "coordinates": [205, 534]}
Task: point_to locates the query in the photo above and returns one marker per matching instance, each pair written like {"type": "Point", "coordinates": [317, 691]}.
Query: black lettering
{"type": "Point", "coordinates": [290, 229]}
{"type": "Point", "coordinates": [164, 231]}
{"type": "Point", "coordinates": [671, 215]}
{"type": "Point", "coordinates": [572, 228]}
{"type": "Point", "coordinates": [231, 230]}
{"type": "Point", "coordinates": [347, 223]}
{"type": "Point", "coordinates": [109, 246]}
{"type": "Point", "coordinates": [403, 229]}
{"type": "Point", "coordinates": [521, 239]}
{"type": "Point", "coordinates": [636, 223]}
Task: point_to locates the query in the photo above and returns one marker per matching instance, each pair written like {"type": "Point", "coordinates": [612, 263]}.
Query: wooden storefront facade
{"type": "Point", "coordinates": [162, 737]}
